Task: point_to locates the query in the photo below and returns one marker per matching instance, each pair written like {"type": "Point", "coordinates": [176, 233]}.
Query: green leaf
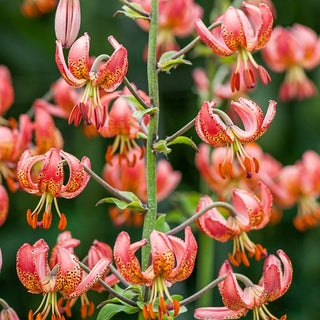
{"type": "Point", "coordinates": [162, 225]}
{"type": "Point", "coordinates": [111, 309]}
{"type": "Point", "coordinates": [183, 140]}
{"type": "Point", "coordinates": [131, 13]}
{"type": "Point", "coordinates": [133, 101]}
{"type": "Point", "coordinates": [134, 203]}
{"type": "Point", "coordinates": [166, 63]}
{"type": "Point", "coordinates": [141, 113]}
{"type": "Point", "coordinates": [161, 146]}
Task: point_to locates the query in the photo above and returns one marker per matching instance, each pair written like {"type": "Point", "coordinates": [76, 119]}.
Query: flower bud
{"type": "Point", "coordinates": [67, 21]}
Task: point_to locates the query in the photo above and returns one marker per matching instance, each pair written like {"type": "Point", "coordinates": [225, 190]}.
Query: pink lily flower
{"type": "Point", "coordinates": [242, 31]}
{"type": "Point", "coordinates": [217, 129]}
{"type": "Point", "coordinates": [4, 206]}
{"type": "Point", "coordinates": [172, 260]}
{"type": "Point", "coordinates": [6, 90]}
{"type": "Point", "coordinates": [251, 213]}
{"type": "Point", "coordinates": [102, 75]}
{"type": "Point", "coordinates": [49, 182]}
{"type": "Point", "coordinates": [65, 277]}
{"type": "Point", "coordinates": [274, 283]}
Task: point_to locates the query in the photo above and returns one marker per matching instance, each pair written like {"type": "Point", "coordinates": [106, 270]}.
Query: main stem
{"type": "Point", "coordinates": [150, 217]}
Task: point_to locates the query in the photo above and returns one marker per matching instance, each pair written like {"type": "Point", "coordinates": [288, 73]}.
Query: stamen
{"type": "Point", "coordinates": [162, 304]}
{"type": "Point", "coordinates": [151, 312]}
{"type": "Point", "coordinates": [46, 220]}
{"type": "Point", "coordinates": [90, 309]}
{"type": "Point", "coordinates": [160, 317]}
{"type": "Point", "coordinates": [144, 311]}
{"type": "Point", "coordinates": [30, 315]}
{"type": "Point", "coordinates": [63, 222]}
{"type": "Point", "coordinates": [83, 311]}
{"type": "Point", "coordinates": [245, 259]}
{"type": "Point", "coordinates": [221, 171]}
{"type": "Point", "coordinates": [256, 165]}
{"type": "Point", "coordinates": [29, 217]}
{"type": "Point", "coordinates": [238, 256]}
{"type": "Point", "coordinates": [247, 165]}
{"type": "Point", "coordinates": [230, 169]}
{"type": "Point", "coordinates": [235, 81]}
{"type": "Point", "coordinates": [232, 260]}
{"type": "Point", "coordinates": [176, 307]}
{"type": "Point", "coordinates": [34, 220]}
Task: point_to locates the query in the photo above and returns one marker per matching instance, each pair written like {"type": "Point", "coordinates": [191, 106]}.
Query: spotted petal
{"type": "Point", "coordinates": [111, 73]}
{"type": "Point", "coordinates": [127, 263]}
{"type": "Point", "coordinates": [78, 178]}
{"type": "Point", "coordinates": [209, 126]}
{"type": "Point", "coordinates": [32, 265]}
{"type": "Point", "coordinates": [185, 252]}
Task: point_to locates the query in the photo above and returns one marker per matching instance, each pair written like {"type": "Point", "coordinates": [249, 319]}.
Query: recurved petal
{"type": "Point", "coordinates": [32, 265]}
{"type": "Point", "coordinates": [51, 174]}
{"type": "Point", "coordinates": [25, 164]}
{"type": "Point", "coordinates": [209, 126]}
{"type": "Point", "coordinates": [78, 178]}
{"type": "Point", "coordinates": [216, 43]}
{"type": "Point", "coordinates": [262, 24]}
{"type": "Point", "coordinates": [219, 313]}
{"type": "Point", "coordinates": [111, 73]}
{"type": "Point", "coordinates": [231, 293]}
{"type": "Point", "coordinates": [252, 117]}
{"type": "Point", "coordinates": [65, 72]}
{"type": "Point", "coordinates": [162, 254]}
{"type": "Point", "coordinates": [127, 263]}
{"type": "Point", "coordinates": [232, 29]}
{"type": "Point", "coordinates": [185, 252]}
{"type": "Point", "coordinates": [271, 112]}
{"type": "Point", "coordinates": [275, 281]}
{"type": "Point", "coordinates": [92, 278]}
{"type": "Point", "coordinates": [69, 274]}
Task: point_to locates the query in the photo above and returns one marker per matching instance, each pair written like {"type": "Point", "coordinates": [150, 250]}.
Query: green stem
{"type": "Point", "coordinates": [135, 93]}
{"type": "Point", "coordinates": [205, 263]}
{"type": "Point", "coordinates": [150, 217]}
{"type": "Point", "coordinates": [181, 131]}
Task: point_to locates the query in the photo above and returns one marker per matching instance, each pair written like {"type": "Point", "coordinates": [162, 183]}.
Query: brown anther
{"type": "Point", "coordinates": [145, 312]}
{"type": "Point", "coordinates": [30, 315]}
{"type": "Point", "coordinates": [230, 170]}
{"type": "Point", "coordinates": [119, 159]}
{"type": "Point", "coordinates": [162, 305]}
{"type": "Point", "coordinates": [34, 220]}
{"type": "Point", "coordinates": [256, 165]}
{"type": "Point", "coordinates": [29, 217]}
{"type": "Point", "coordinates": [46, 220]}
{"type": "Point", "coordinates": [235, 82]}
{"type": "Point", "coordinates": [221, 171]}
{"type": "Point", "coordinates": [68, 309]}
{"type": "Point", "coordinates": [63, 222]}
{"type": "Point", "coordinates": [247, 165]}
{"type": "Point", "coordinates": [238, 256]}
{"type": "Point", "coordinates": [233, 260]}
{"type": "Point", "coordinates": [176, 307]}
{"type": "Point", "coordinates": [39, 316]}
{"type": "Point", "coordinates": [160, 316]}
{"type": "Point", "coordinates": [90, 309]}
{"type": "Point", "coordinates": [109, 155]}
{"type": "Point", "coordinates": [245, 259]}
{"type": "Point", "coordinates": [151, 312]}
{"type": "Point", "coordinates": [11, 184]}
{"type": "Point", "coordinates": [83, 311]}
{"type": "Point", "coordinates": [142, 152]}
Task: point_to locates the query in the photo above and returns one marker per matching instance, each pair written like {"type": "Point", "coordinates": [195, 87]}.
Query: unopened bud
{"type": "Point", "coordinates": [67, 21]}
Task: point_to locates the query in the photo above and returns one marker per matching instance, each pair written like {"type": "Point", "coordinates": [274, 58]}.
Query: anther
{"type": "Point", "coordinates": [63, 222]}
{"type": "Point", "coordinates": [151, 312]}
{"type": "Point", "coordinates": [162, 304]}
{"type": "Point", "coordinates": [233, 260]}
{"type": "Point", "coordinates": [145, 312]}
{"type": "Point", "coordinates": [176, 307]}
{"type": "Point", "coordinates": [245, 259]}
{"type": "Point", "coordinates": [90, 309]}
{"type": "Point", "coordinates": [221, 171]}
{"type": "Point", "coordinates": [256, 165]}
{"type": "Point", "coordinates": [30, 315]}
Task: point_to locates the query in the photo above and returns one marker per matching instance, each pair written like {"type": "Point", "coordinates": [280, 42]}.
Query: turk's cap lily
{"type": "Point", "coordinates": [6, 90]}
{"type": "Point", "coordinates": [164, 250]}
{"type": "Point", "coordinates": [218, 129]}
{"type": "Point", "coordinates": [108, 75]}
{"type": "Point", "coordinates": [273, 284]}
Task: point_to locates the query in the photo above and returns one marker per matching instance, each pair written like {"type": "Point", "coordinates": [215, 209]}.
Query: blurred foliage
{"type": "Point", "coordinates": [28, 47]}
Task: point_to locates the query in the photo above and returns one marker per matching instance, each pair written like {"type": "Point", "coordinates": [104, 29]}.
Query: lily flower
{"type": "Point", "coordinates": [37, 8]}
{"type": "Point", "coordinates": [122, 125]}
{"type": "Point", "coordinates": [125, 176]}
{"type": "Point", "coordinates": [48, 182]}
{"type": "Point", "coordinates": [251, 213]}
{"type": "Point", "coordinates": [4, 206]}
{"type": "Point", "coordinates": [216, 128]}
{"type": "Point", "coordinates": [12, 144]}
{"type": "Point", "coordinates": [7, 313]}
{"type": "Point", "coordinates": [65, 277]}
{"type": "Point", "coordinates": [274, 283]}
{"type": "Point", "coordinates": [293, 50]}
{"type": "Point", "coordinates": [6, 90]}
{"type": "Point", "coordinates": [172, 260]}
{"type": "Point", "coordinates": [102, 75]}
{"type": "Point", "coordinates": [241, 31]}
